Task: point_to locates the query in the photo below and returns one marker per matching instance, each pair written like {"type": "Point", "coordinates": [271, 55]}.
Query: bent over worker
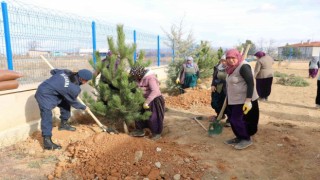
{"type": "Point", "coordinates": [60, 90]}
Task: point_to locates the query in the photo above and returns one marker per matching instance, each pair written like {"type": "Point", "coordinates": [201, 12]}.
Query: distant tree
{"type": "Point", "coordinates": [33, 45]}
{"type": "Point", "coordinates": [206, 58]}
{"type": "Point", "coordinates": [184, 45]}
{"type": "Point", "coordinates": [252, 49]}
{"type": "Point", "coordinates": [267, 46]}
{"type": "Point", "coordinates": [220, 52]}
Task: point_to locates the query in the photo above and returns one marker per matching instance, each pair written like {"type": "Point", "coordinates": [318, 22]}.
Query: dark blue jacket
{"type": "Point", "coordinates": [58, 87]}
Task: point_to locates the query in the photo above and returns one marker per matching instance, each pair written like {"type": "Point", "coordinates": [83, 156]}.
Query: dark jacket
{"type": "Point", "coordinates": [59, 87]}
{"type": "Point", "coordinates": [216, 80]}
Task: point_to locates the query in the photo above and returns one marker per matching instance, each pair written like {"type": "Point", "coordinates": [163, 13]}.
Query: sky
{"type": "Point", "coordinates": [224, 23]}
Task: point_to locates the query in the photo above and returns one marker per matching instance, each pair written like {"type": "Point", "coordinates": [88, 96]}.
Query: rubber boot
{"type": "Point", "coordinates": [48, 144]}
{"type": "Point", "coordinates": [66, 126]}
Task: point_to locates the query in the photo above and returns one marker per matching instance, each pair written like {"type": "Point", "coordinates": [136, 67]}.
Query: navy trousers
{"type": "Point", "coordinates": [244, 126]}
{"type": "Point", "coordinates": [46, 117]}
{"type": "Point", "coordinates": [155, 122]}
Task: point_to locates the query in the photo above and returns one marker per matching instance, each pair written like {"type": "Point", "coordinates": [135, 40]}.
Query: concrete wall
{"type": "Point", "coordinates": [20, 115]}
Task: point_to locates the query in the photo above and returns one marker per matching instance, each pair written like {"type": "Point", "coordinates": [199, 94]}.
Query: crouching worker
{"type": "Point", "coordinates": [148, 82]}
{"type": "Point", "coordinates": [60, 90]}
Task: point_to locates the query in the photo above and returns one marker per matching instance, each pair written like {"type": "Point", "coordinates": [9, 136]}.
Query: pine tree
{"type": "Point", "coordinates": [220, 52]}
{"type": "Point", "coordinates": [206, 58]}
{"type": "Point", "coordinates": [118, 98]}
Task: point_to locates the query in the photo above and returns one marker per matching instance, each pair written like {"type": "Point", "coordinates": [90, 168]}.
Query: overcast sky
{"type": "Point", "coordinates": [222, 22]}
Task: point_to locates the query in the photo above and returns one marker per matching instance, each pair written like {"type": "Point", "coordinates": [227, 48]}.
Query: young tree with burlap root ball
{"type": "Point", "coordinates": [118, 99]}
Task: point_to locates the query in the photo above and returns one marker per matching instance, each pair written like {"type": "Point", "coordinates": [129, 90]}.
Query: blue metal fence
{"type": "Point", "coordinates": [67, 40]}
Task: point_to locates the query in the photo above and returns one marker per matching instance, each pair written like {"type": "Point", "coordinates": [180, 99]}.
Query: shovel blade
{"type": "Point", "coordinates": [215, 128]}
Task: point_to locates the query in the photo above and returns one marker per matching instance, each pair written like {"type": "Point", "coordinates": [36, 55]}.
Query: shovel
{"type": "Point", "coordinates": [104, 128]}
{"type": "Point", "coordinates": [215, 128]}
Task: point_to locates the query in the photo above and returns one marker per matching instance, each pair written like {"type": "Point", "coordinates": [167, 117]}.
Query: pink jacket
{"type": "Point", "coordinates": [150, 86]}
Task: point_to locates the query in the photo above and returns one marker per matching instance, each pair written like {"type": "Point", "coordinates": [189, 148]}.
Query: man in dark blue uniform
{"type": "Point", "coordinates": [62, 90]}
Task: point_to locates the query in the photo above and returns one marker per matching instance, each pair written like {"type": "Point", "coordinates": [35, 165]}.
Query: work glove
{"type": "Point", "coordinates": [178, 81]}
{"type": "Point", "coordinates": [146, 106]}
{"type": "Point", "coordinates": [199, 81]}
{"type": "Point", "coordinates": [247, 107]}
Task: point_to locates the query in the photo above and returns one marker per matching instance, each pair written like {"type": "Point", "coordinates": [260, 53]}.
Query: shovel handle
{"type": "Point", "coordinates": [222, 109]}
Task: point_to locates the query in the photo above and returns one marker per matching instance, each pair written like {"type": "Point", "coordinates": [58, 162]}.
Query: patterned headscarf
{"type": "Point", "coordinates": [236, 54]}
{"type": "Point", "coordinates": [189, 64]}
{"type": "Point", "coordinates": [138, 72]}
{"type": "Point", "coordinates": [259, 54]}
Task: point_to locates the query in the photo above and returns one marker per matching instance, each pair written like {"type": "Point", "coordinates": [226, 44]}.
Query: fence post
{"type": "Point", "coordinates": [135, 42]}
{"type": "Point", "coordinates": [158, 50]}
{"type": "Point", "coordinates": [173, 51]}
{"type": "Point", "coordinates": [94, 42]}
{"type": "Point", "coordinates": [7, 34]}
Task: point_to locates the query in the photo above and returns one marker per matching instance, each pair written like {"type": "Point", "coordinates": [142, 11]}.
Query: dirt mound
{"type": "Point", "coordinates": [197, 97]}
{"type": "Point", "coordinates": [105, 156]}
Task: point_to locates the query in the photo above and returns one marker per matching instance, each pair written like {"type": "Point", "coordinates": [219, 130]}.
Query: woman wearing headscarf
{"type": "Point", "coordinates": [149, 84]}
{"type": "Point", "coordinates": [314, 65]}
{"type": "Point", "coordinates": [242, 100]}
{"type": "Point", "coordinates": [218, 88]}
{"type": "Point", "coordinates": [263, 73]}
{"type": "Point", "coordinates": [189, 74]}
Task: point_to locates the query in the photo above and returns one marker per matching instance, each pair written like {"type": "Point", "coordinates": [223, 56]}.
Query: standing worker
{"type": "Point", "coordinates": [242, 100]}
{"type": "Point", "coordinates": [263, 73]}
{"type": "Point", "coordinates": [218, 88]}
{"type": "Point", "coordinates": [314, 65]}
{"type": "Point", "coordinates": [60, 90]}
{"type": "Point", "coordinates": [150, 86]}
{"type": "Point", "coordinates": [189, 74]}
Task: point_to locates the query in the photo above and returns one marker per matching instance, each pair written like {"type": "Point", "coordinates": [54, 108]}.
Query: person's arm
{"type": "Point", "coordinates": [246, 73]}
{"type": "Point", "coordinates": [155, 90]}
{"type": "Point", "coordinates": [214, 76]}
{"type": "Point", "coordinates": [71, 97]}
{"type": "Point", "coordinates": [257, 68]}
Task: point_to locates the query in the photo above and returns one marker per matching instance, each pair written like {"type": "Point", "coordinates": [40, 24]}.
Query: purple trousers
{"type": "Point", "coordinates": [264, 87]}
{"type": "Point", "coordinates": [244, 126]}
{"type": "Point", "coordinates": [155, 122]}
{"type": "Point", "coordinates": [313, 72]}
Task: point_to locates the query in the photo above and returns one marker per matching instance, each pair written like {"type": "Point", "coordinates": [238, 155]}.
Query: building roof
{"type": "Point", "coordinates": [305, 44]}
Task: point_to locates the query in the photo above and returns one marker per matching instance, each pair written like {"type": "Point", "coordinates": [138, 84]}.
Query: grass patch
{"type": "Point", "coordinates": [292, 80]}
{"type": "Point", "coordinates": [279, 74]}
{"type": "Point", "coordinates": [34, 164]}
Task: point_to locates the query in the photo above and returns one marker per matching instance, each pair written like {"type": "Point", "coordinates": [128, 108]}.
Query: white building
{"type": "Point", "coordinates": [304, 49]}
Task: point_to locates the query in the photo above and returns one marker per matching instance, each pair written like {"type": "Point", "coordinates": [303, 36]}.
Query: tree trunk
{"type": "Point", "coordinates": [125, 127]}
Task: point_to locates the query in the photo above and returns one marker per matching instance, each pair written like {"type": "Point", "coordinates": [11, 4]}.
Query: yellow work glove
{"type": "Point", "coordinates": [178, 81]}
{"type": "Point", "coordinates": [199, 81]}
{"type": "Point", "coordinates": [247, 107]}
{"type": "Point", "coordinates": [146, 106]}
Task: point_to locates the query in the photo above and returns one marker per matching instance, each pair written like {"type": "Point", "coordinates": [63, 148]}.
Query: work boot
{"type": "Point", "coordinates": [66, 126]}
{"type": "Point", "coordinates": [48, 144]}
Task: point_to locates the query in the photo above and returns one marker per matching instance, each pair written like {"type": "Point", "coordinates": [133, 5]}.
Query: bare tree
{"type": "Point", "coordinates": [179, 40]}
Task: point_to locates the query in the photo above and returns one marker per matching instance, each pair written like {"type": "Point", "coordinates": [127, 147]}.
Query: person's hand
{"type": "Point", "coordinates": [146, 106]}
{"type": "Point", "coordinates": [199, 81]}
{"type": "Point", "coordinates": [178, 81]}
{"type": "Point", "coordinates": [213, 88]}
{"type": "Point", "coordinates": [247, 107]}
